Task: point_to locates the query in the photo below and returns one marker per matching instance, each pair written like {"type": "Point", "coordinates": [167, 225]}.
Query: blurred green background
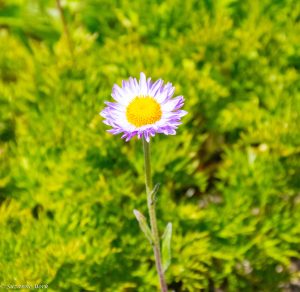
{"type": "Point", "coordinates": [230, 178]}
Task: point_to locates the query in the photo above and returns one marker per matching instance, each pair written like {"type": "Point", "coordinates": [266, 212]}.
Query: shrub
{"type": "Point", "coordinates": [229, 178]}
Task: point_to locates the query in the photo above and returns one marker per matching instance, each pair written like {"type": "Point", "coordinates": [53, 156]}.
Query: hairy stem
{"type": "Point", "coordinates": [152, 214]}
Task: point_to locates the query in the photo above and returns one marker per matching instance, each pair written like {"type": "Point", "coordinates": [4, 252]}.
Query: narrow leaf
{"type": "Point", "coordinates": [143, 225]}
{"type": "Point", "coordinates": [154, 192]}
{"type": "Point", "coordinates": [166, 246]}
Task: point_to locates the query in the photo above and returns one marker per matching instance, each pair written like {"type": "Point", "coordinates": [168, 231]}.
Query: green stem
{"type": "Point", "coordinates": [152, 214]}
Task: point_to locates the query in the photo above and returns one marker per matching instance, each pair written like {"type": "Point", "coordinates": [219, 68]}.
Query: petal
{"type": "Point", "coordinates": [173, 104]}
{"type": "Point", "coordinates": [143, 84]}
{"type": "Point", "coordinates": [155, 87]}
{"type": "Point", "coordinates": [164, 93]}
{"type": "Point", "coordinates": [119, 95]}
{"type": "Point", "coordinates": [115, 106]}
{"type": "Point", "coordinates": [146, 135]}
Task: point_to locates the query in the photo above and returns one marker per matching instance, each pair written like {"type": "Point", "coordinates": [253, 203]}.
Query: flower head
{"type": "Point", "coordinates": [143, 108]}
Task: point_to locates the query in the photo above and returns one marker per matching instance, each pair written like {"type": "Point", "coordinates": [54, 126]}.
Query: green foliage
{"type": "Point", "coordinates": [229, 178]}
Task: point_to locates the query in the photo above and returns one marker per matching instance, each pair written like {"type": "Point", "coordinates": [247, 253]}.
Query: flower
{"type": "Point", "coordinates": [143, 108]}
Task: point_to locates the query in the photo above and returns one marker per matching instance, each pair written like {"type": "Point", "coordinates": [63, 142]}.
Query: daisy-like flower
{"type": "Point", "coordinates": [143, 108]}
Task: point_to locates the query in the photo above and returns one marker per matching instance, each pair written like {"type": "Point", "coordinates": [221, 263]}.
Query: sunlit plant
{"type": "Point", "coordinates": [144, 108]}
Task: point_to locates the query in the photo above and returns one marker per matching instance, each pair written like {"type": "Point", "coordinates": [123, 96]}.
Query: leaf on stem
{"type": "Point", "coordinates": [166, 246]}
{"type": "Point", "coordinates": [143, 225]}
{"type": "Point", "coordinates": [154, 192]}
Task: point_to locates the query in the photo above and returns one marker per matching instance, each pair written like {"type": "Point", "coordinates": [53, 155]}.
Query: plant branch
{"type": "Point", "coordinates": [151, 202]}
{"type": "Point", "coordinates": [66, 28]}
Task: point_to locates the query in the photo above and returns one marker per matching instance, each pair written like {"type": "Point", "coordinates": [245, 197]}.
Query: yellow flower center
{"type": "Point", "coordinates": [143, 111]}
